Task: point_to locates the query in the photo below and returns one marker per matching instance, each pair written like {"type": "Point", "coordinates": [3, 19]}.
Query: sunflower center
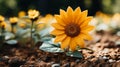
{"type": "Point", "coordinates": [72, 29]}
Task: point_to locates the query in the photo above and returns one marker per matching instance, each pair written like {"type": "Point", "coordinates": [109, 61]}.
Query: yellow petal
{"type": "Point", "coordinates": [57, 26]}
{"type": "Point", "coordinates": [77, 10]}
{"type": "Point", "coordinates": [80, 43]}
{"type": "Point", "coordinates": [86, 36]}
{"type": "Point", "coordinates": [77, 13]}
{"type": "Point", "coordinates": [57, 32]}
{"type": "Point", "coordinates": [87, 28]}
{"type": "Point", "coordinates": [59, 38]}
{"type": "Point", "coordinates": [73, 44]}
{"type": "Point", "coordinates": [65, 43]}
{"type": "Point", "coordinates": [86, 22]}
{"type": "Point", "coordinates": [64, 16]}
{"type": "Point", "coordinates": [59, 20]}
{"type": "Point", "coordinates": [70, 14]}
{"type": "Point", "coordinates": [83, 16]}
{"type": "Point", "coordinates": [77, 19]}
{"type": "Point", "coordinates": [69, 10]}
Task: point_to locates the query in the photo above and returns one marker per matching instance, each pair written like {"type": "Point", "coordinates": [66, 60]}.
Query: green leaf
{"type": "Point", "coordinates": [12, 42]}
{"type": "Point", "coordinates": [76, 54]}
{"type": "Point", "coordinates": [21, 33]}
{"type": "Point", "coordinates": [45, 32]}
{"type": "Point", "coordinates": [36, 38]}
{"type": "Point", "coordinates": [50, 48]}
{"type": "Point", "coordinates": [23, 36]}
{"type": "Point", "coordinates": [9, 35]}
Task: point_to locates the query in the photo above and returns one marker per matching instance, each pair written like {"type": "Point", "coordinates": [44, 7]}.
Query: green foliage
{"type": "Point", "coordinates": [11, 42]}
{"type": "Point", "coordinates": [76, 54]}
{"type": "Point", "coordinates": [49, 46]}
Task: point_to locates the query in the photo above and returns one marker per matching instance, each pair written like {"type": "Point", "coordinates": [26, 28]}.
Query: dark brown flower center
{"type": "Point", "coordinates": [72, 29]}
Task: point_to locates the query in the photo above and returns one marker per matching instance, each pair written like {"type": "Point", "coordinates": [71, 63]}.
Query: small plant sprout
{"type": "Point", "coordinates": [33, 16]}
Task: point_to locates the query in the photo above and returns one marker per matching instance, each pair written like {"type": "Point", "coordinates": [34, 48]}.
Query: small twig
{"type": "Point", "coordinates": [87, 49]}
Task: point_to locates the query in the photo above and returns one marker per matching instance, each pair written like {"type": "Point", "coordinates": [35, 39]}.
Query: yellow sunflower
{"type": "Point", "coordinates": [71, 28]}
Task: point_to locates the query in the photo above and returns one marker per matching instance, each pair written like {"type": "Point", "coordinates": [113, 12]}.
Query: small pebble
{"type": "Point", "coordinates": [117, 43]}
{"type": "Point", "coordinates": [31, 66]}
{"type": "Point", "coordinates": [111, 60]}
{"type": "Point", "coordinates": [77, 61]}
{"type": "Point", "coordinates": [104, 57]}
{"type": "Point", "coordinates": [56, 65]}
{"type": "Point", "coordinates": [66, 65]}
{"type": "Point", "coordinates": [42, 63]}
{"type": "Point", "coordinates": [73, 64]}
{"type": "Point", "coordinates": [118, 33]}
{"type": "Point", "coordinates": [105, 50]}
{"type": "Point", "coordinates": [48, 65]}
{"type": "Point", "coordinates": [6, 57]}
{"type": "Point", "coordinates": [32, 58]}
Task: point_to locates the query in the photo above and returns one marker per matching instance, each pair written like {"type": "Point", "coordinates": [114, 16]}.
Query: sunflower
{"type": "Point", "coordinates": [72, 28]}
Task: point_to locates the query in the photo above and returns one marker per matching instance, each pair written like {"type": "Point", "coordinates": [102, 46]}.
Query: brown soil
{"type": "Point", "coordinates": [106, 53]}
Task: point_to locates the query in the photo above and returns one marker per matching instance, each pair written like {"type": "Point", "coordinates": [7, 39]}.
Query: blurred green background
{"type": "Point", "coordinates": [12, 7]}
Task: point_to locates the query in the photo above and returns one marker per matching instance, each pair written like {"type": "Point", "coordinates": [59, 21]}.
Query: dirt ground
{"type": "Point", "coordinates": [105, 52]}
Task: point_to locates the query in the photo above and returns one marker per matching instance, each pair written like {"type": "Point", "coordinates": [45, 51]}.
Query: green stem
{"type": "Point", "coordinates": [12, 29]}
{"type": "Point", "coordinates": [31, 29]}
{"type": "Point", "coordinates": [31, 34]}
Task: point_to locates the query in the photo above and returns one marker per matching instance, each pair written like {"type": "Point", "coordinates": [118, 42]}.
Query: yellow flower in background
{"type": "Point", "coordinates": [32, 14]}
{"type": "Point", "coordinates": [22, 25]}
{"type": "Point", "coordinates": [13, 20]}
{"type": "Point", "coordinates": [45, 22]}
{"type": "Point", "coordinates": [72, 28]}
{"type": "Point", "coordinates": [116, 17]}
{"type": "Point", "coordinates": [21, 14]}
{"type": "Point", "coordinates": [1, 18]}
{"type": "Point", "coordinates": [3, 25]}
{"type": "Point", "coordinates": [104, 17]}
